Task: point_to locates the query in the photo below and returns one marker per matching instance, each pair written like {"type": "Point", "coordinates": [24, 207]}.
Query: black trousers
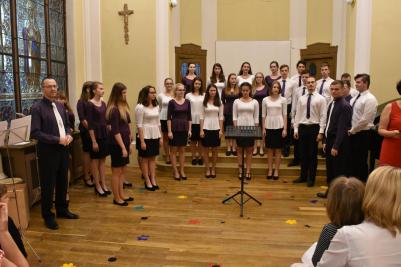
{"type": "Point", "coordinates": [308, 149]}
{"type": "Point", "coordinates": [358, 160]}
{"type": "Point", "coordinates": [296, 147]}
{"type": "Point", "coordinates": [336, 166]}
{"type": "Point", "coordinates": [289, 137]}
{"type": "Point", "coordinates": [53, 169]}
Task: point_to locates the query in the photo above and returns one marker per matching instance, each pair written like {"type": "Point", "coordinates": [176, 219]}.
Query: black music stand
{"type": "Point", "coordinates": [242, 132]}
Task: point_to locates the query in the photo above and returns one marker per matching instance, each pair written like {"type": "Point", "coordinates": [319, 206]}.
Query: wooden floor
{"type": "Point", "coordinates": [186, 224]}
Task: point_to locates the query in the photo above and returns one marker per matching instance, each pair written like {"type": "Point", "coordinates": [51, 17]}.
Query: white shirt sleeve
{"type": "Point", "coordinates": [202, 114]}
{"type": "Point", "coordinates": [369, 113]}
{"type": "Point", "coordinates": [284, 107]}
{"type": "Point", "coordinates": [264, 108]}
{"type": "Point", "coordinates": [323, 115]}
{"type": "Point", "coordinates": [235, 110]}
{"type": "Point", "coordinates": [256, 112]}
{"type": "Point", "coordinates": [139, 116]}
{"type": "Point", "coordinates": [337, 254]}
{"type": "Point", "coordinates": [221, 112]}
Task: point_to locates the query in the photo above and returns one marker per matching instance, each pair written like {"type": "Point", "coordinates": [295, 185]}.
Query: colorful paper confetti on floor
{"type": "Point", "coordinates": [291, 221]}
{"type": "Point", "coordinates": [68, 265]}
{"type": "Point", "coordinates": [324, 187]}
{"type": "Point", "coordinates": [182, 197]}
{"type": "Point", "coordinates": [194, 221]}
{"type": "Point", "coordinates": [313, 201]}
{"type": "Point", "coordinates": [138, 208]}
{"type": "Point", "coordinates": [142, 237]}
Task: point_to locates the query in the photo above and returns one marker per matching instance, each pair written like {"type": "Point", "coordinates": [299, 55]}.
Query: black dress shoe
{"type": "Point", "coordinates": [275, 177]}
{"type": "Point", "coordinates": [194, 161]}
{"type": "Point", "coordinates": [120, 204]}
{"type": "Point", "coordinates": [269, 177]}
{"type": "Point", "coordinates": [228, 153]}
{"type": "Point", "coordinates": [293, 163]}
{"type": "Point", "coordinates": [100, 194]}
{"type": "Point", "coordinates": [149, 188]}
{"type": "Point", "coordinates": [322, 194]}
{"type": "Point", "coordinates": [66, 214]}
{"type": "Point", "coordinates": [127, 185]}
{"type": "Point", "coordinates": [107, 192]}
{"type": "Point", "coordinates": [51, 223]}
{"type": "Point", "coordinates": [234, 153]}
{"type": "Point", "coordinates": [129, 199]}
{"type": "Point", "coordinates": [200, 161]}
{"type": "Point", "coordinates": [183, 177]}
{"type": "Point", "coordinates": [299, 180]}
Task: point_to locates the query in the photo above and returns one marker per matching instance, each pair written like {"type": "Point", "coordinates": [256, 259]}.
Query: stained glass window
{"type": "Point", "coordinates": [37, 50]}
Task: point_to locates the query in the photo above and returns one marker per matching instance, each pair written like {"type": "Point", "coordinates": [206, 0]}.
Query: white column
{"type": "Point", "coordinates": [339, 33]}
{"type": "Point", "coordinates": [176, 35]}
{"type": "Point", "coordinates": [162, 42]}
{"type": "Point", "coordinates": [209, 32]}
{"type": "Point", "coordinates": [92, 40]}
{"type": "Point", "coordinates": [71, 55]}
{"type": "Point", "coordinates": [298, 13]}
{"type": "Point", "coordinates": [363, 36]}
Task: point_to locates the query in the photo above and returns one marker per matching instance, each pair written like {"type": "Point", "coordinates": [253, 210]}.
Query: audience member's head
{"type": "Point", "coordinates": [344, 201]}
{"type": "Point", "coordinates": [382, 201]}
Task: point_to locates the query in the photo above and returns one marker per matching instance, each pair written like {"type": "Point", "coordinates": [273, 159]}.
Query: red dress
{"type": "Point", "coordinates": [391, 147]}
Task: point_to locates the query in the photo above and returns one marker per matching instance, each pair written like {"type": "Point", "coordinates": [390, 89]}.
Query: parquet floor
{"type": "Point", "coordinates": [186, 224]}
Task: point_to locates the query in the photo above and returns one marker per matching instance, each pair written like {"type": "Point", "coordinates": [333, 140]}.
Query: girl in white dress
{"type": "Point", "coordinates": [274, 119]}
{"type": "Point", "coordinates": [245, 113]}
{"type": "Point", "coordinates": [217, 78]}
{"type": "Point", "coordinates": [211, 123]}
{"type": "Point", "coordinates": [245, 74]}
{"type": "Point", "coordinates": [196, 97]}
{"type": "Point", "coordinates": [163, 99]}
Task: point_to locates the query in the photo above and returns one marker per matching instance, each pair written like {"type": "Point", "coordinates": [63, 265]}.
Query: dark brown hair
{"type": "Point", "coordinates": [188, 64]}
{"type": "Point", "coordinates": [116, 100]}
{"type": "Point", "coordinates": [62, 96]}
{"type": "Point", "coordinates": [242, 65]}
{"type": "Point", "coordinates": [85, 95]}
{"type": "Point", "coordinates": [284, 66]}
{"type": "Point", "coordinates": [93, 87]}
{"type": "Point", "coordinates": [345, 75]}
{"type": "Point", "coordinates": [365, 78]}
{"type": "Point", "coordinates": [242, 86]}
{"type": "Point", "coordinates": [213, 78]}
{"type": "Point", "coordinates": [193, 85]}
{"type": "Point", "coordinates": [228, 85]}
{"type": "Point", "coordinates": [279, 87]}
{"type": "Point", "coordinates": [399, 87]}
{"type": "Point", "coordinates": [344, 201]}
{"type": "Point", "coordinates": [145, 92]}
{"type": "Point", "coordinates": [325, 64]}
{"type": "Point", "coordinates": [338, 82]}
{"type": "Point", "coordinates": [216, 99]}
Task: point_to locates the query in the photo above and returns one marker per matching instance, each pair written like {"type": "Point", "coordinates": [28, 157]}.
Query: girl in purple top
{"type": "Point", "coordinates": [179, 128]}
{"type": "Point", "coordinates": [274, 76]}
{"type": "Point", "coordinates": [228, 96]}
{"type": "Point", "coordinates": [260, 91]}
{"type": "Point", "coordinates": [99, 136]}
{"type": "Point", "coordinates": [117, 115]}
{"type": "Point", "coordinates": [189, 77]}
{"type": "Point", "coordinates": [82, 109]}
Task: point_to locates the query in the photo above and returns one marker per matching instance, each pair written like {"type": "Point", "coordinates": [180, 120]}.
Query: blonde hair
{"type": "Point", "coordinates": [175, 88]}
{"type": "Point", "coordinates": [382, 201]}
{"type": "Point", "coordinates": [254, 82]}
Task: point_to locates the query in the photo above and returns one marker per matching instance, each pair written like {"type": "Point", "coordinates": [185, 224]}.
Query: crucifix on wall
{"type": "Point", "coordinates": [125, 13]}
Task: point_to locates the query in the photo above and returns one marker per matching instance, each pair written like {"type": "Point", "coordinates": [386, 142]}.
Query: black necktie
{"type": "Point", "coordinates": [308, 106]}
{"type": "Point", "coordinates": [283, 89]}
{"type": "Point", "coordinates": [300, 81]}
{"type": "Point", "coordinates": [353, 104]}
{"type": "Point", "coordinates": [303, 90]}
{"type": "Point", "coordinates": [321, 87]}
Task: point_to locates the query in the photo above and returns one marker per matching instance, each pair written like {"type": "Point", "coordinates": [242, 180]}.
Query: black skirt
{"type": "Point", "coordinates": [245, 142]}
{"type": "Point", "coordinates": [163, 125]}
{"type": "Point", "coordinates": [274, 138]}
{"type": "Point", "coordinates": [211, 138]}
{"type": "Point", "coordinates": [86, 141]}
{"type": "Point", "coordinates": [152, 148]}
{"type": "Point", "coordinates": [195, 134]}
{"type": "Point", "coordinates": [179, 139]}
{"type": "Point", "coordinates": [228, 120]}
{"type": "Point", "coordinates": [116, 154]}
{"type": "Point", "coordinates": [103, 149]}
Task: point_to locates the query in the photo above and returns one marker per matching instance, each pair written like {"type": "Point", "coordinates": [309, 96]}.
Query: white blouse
{"type": "Point", "coordinates": [196, 106]}
{"type": "Point", "coordinates": [149, 120]}
{"type": "Point", "coordinates": [163, 104]}
{"type": "Point", "coordinates": [241, 80]}
{"type": "Point", "coordinates": [211, 116]}
{"type": "Point", "coordinates": [273, 112]}
{"type": "Point", "coordinates": [246, 113]}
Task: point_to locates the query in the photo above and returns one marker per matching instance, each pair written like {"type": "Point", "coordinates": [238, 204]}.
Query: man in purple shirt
{"type": "Point", "coordinates": [50, 127]}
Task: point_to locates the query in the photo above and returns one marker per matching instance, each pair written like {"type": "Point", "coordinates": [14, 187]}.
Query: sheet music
{"type": "Point", "coordinates": [3, 128]}
{"type": "Point", "coordinates": [20, 130]}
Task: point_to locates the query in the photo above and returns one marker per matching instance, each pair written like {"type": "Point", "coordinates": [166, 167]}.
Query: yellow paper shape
{"type": "Point", "coordinates": [68, 265]}
{"type": "Point", "coordinates": [291, 221]}
{"type": "Point", "coordinates": [324, 187]}
{"type": "Point", "coordinates": [182, 197]}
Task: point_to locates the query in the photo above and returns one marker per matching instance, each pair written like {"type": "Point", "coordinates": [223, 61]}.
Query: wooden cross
{"type": "Point", "coordinates": [126, 12]}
